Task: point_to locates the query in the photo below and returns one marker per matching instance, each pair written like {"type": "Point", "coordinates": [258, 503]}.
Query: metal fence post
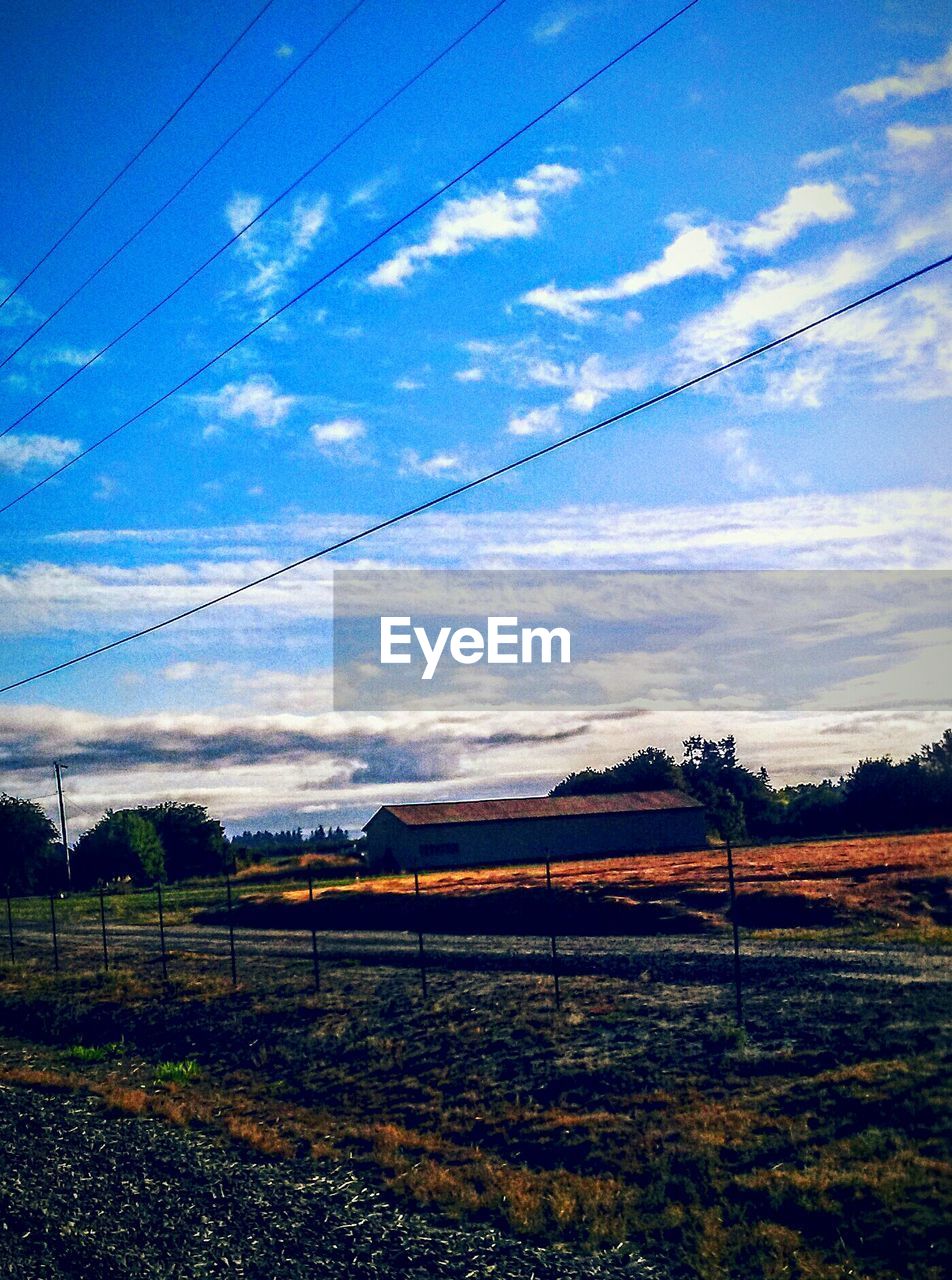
{"type": "Point", "coordinates": [315, 961]}
{"type": "Point", "coordinates": [165, 962]}
{"type": "Point", "coordinates": [56, 962]}
{"type": "Point", "coordinates": [231, 934]}
{"type": "Point", "coordinates": [10, 928]}
{"type": "Point", "coordinates": [553, 945]}
{"type": "Point", "coordinates": [739, 1011]}
{"type": "Point", "coordinates": [419, 916]}
{"type": "Point", "coordinates": [102, 925]}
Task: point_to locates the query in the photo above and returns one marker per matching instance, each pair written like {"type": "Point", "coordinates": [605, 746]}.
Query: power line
{"type": "Point", "coordinates": [142, 150]}
{"type": "Point", "coordinates": [262, 213]}
{"type": "Point", "coordinates": [299, 66]}
{"type": "Point", "coordinates": [352, 257]}
{"type": "Point", "coordinates": [491, 475]}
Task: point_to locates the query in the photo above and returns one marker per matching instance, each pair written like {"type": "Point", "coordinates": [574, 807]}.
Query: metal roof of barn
{"type": "Point", "coordinates": [443, 812]}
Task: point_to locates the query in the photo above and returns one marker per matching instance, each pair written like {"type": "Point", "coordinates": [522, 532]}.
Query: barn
{"type": "Point", "coordinates": [466, 833]}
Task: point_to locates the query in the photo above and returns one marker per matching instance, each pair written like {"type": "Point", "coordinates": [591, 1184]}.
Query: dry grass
{"type": "Point", "coordinates": [871, 882]}
{"type": "Point", "coordinates": [817, 1147]}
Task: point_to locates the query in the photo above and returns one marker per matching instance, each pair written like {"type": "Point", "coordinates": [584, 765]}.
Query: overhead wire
{"type": "Point", "coordinates": [436, 195]}
{"type": "Point", "coordinates": [180, 190]}
{"type": "Point", "coordinates": [153, 137]}
{"type": "Point", "coordinates": [262, 213]}
{"type": "Point", "coordinates": [469, 485]}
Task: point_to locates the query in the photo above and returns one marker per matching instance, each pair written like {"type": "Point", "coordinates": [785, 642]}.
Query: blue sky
{"type": "Point", "coordinates": [748, 169]}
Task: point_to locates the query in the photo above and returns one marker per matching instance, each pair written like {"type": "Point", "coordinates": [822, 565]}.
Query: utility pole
{"type": "Point", "coordinates": [58, 768]}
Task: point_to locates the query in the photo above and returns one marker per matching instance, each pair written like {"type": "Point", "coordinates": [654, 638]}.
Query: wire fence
{"type": "Point", "coordinates": [717, 916]}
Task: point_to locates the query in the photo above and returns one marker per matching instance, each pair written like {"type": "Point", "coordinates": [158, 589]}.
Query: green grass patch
{"type": "Point", "coordinates": [95, 1052]}
{"type": "Point", "coordinates": [183, 1072]}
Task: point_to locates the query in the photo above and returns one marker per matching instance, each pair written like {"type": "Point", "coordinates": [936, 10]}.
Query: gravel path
{"type": "Point", "coordinates": [84, 1194]}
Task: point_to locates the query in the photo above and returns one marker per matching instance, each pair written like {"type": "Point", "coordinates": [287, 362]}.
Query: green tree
{"type": "Point", "coordinates": [935, 768]}
{"type": "Point", "coordinates": [121, 844]}
{"type": "Point", "coordinates": [739, 802]}
{"type": "Point", "coordinates": [31, 858]}
{"type": "Point", "coordinates": [650, 769]}
{"type": "Point", "coordinates": [194, 843]}
{"type": "Point", "coordinates": [813, 809]}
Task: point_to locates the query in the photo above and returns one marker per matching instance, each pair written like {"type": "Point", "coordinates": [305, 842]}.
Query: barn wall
{"type": "Point", "coordinates": [458, 844]}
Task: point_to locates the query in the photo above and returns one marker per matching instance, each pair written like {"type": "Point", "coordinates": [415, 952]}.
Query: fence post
{"type": "Point", "coordinates": [739, 1011]}
{"type": "Point", "coordinates": [10, 927]}
{"type": "Point", "coordinates": [231, 934]}
{"type": "Point", "coordinates": [419, 916]}
{"type": "Point", "coordinates": [552, 941]}
{"type": "Point", "coordinates": [53, 931]}
{"type": "Point", "coordinates": [102, 925]}
{"type": "Point", "coordinates": [315, 962]}
{"type": "Point", "coordinates": [165, 962]}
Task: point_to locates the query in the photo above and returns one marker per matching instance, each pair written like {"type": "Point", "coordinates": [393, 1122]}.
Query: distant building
{"type": "Point", "coordinates": [469, 833]}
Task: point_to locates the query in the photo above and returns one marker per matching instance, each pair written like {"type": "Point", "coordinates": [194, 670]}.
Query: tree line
{"type": "Point", "coordinates": [169, 841]}
{"type": "Point", "coordinates": [165, 842]}
{"type": "Point", "coordinates": [254, 845]}
{"type": "Point", "coordinates": [877, 795]}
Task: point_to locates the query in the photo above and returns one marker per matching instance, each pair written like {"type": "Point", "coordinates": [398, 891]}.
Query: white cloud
{"type": "Point", "coordinates": [462, 224]}
{"type": "Point", "coordinates": [816, 159]}
{"type": "Point", "coordinates": [803, 206]}
{"type": "Point", "coordinates": [903, 346]}
{"type": "Point", "coordinates": [308, 219]}
{"type": "Point", "coordinates": [408, 384]}
{"type": "Point", "coordinates": [913, 81]}
{"type": "Point", "coordinates": [771, 299]}
{"type": "Point", "coordinates": [257, 398]}
{"type": "Point", "coordinates": [695, 251]}
{"type": "Point", "coordinates": [595, 381]}
{"type": "Point", "coordinates": [886, 529]}
{"type": "Point", "coordinates": [20, 451]}
{"type": "Point", "coordinates": [339, 440]}
{"type": "Point", "coordinates": [442, 463]}
{"type": "Point", "coordinates": [242, 209]}
{"type": "Point", "coordinates": [42, 595]}
{"type": "Point", "coordinates": [799, 387]}
{"type": "Point", "coordinates": [276, 245]}
{"type": "Point", "coordinates": [588, 382]}
{"type": "Point", "coordinates": [548, 180]}
{"type": "Point", "coordinates": [72, 356]}
{"type": "Point", "coordinates": [554, 24]}
{"type": "Point", "coordinates": [701, 251]}
{"type": "Point", "coordinates": [536, 422]}
{"type": "Point", "coordinates": [367, 193]}
{"type": "Point", "coordinates": [182, 672]}
{"type": "Point", "coordinates": [473, 374]}
{"type": "Point", "coordinates": [340, 431]}
{"type": "Point", "coordinates": [912, 137]}
{"type": "Point", "coordinates": [743, 467]}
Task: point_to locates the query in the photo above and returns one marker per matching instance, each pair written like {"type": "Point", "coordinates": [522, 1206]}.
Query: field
{"type": "Point", "coordinates": [812, 1143]}
{"type": "Point", "coordinates": [867, 882]}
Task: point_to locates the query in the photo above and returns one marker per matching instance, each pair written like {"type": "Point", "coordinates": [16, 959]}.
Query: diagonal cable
{"type": "Point", "coordinates": [668, 394]}
{"type": "Point", "coordinates": [142, 150]}
{"type": "Point", "coordinates": [180, 190]}
{"type": "Point", "coordinates": [262, 213]}
{"type": "Point", "coordinates": [333, 271]}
